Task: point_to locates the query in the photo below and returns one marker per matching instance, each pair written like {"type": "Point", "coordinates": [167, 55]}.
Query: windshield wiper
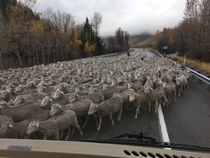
{"type": "Point", "coordinates": [141, 140]}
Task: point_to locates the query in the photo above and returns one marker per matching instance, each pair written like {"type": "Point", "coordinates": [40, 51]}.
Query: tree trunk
{"type": "Point", "coordinates": [37, 56]}
{"type": "Point", "coordinates": [18, 55]}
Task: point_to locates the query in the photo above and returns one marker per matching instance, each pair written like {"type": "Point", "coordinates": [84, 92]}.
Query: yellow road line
{"type": "Point", "coordinates": [136, 54]}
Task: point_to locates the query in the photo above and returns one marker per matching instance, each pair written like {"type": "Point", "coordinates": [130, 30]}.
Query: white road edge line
{"type": "Point", "coordinates": [162, 124]}
{"type": "Point", "coordinates": [148, 53]}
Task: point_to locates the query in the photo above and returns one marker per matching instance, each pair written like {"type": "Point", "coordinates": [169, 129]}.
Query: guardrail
{"type": "Point", "coordinates": [200, 76]}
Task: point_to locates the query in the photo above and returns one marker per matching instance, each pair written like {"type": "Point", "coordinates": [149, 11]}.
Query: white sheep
{"type": "Point", "coordinates": [155, 96]}
{"type": "Point", "coordinates": [107, 108]}
{"type": "Point", "coordinates": [55, 124]}
{"type": "Point", "coordinates": [138, 98]}
{"type": "Point", "coordinates": [80, 108]}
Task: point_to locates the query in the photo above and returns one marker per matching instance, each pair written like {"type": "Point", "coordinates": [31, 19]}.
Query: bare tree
{"type": "Point", "coordinates": [96, 22]}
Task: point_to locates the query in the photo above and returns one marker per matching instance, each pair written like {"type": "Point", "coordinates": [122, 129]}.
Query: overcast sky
{"type": "Point", "coordinates": [133, 16]}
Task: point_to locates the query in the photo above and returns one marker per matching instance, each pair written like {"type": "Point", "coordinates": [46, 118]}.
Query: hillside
{"type": "Point", "coordinates": [137, 39]}
{"type": "Point", "coordinates": [146, 43]}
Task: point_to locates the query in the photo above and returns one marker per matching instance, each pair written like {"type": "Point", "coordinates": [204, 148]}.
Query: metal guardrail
{"type": "Point", "coordinates": [200, 76]}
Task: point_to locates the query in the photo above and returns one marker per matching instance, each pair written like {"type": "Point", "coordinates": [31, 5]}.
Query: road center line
{"type": "Point", "coordinates": [137, 54]}
{"type": "Point", "coordinates": [162, 125]}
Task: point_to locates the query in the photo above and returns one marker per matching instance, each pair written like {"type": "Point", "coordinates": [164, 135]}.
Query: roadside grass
{"type": "Point", "coordinates": [203, 66]}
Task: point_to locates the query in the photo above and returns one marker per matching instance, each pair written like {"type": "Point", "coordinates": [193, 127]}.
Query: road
{"type": "Point", "coordinates": [187, 121]}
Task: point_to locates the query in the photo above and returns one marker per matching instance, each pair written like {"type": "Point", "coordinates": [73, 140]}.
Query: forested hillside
{"type": "Point", "coordinates": [30, 38]}
{"type": "Point", "coordinates": [191, 37]}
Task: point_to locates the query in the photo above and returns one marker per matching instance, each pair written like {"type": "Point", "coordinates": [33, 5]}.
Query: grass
{"type": "Point", "coordinates": [203, 66]}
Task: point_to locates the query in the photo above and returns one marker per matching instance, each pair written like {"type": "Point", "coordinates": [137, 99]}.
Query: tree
{"type": "Point", "coordinates": [87, 38]}
{"type": "Point", "coordinates": [96, 22]}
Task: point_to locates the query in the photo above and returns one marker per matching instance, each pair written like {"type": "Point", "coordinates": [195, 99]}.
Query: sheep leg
{"type": "Point", "coordinates": [166, 101]}
{"type": "Point", "coordinates": [96, 119]}
{"type": "Point", "coordinates": [67, 136]}
{"type": "Point", "coordinates": [86, 120]}
{"type": "Point", "coordinates": [169, 98]}
{"type": "Point", "coordinates": [112, 121]}
{"type": "Point", "coordinates": [72, 132]}
{"type": "Point", "coordinates": [45, 137]}
{"type": "Point", "coordinates": [75, 124]}
{"type": "Point", "coordinates": [57, 135]}
{"type": "Point", "coordinates": [156, 106]}
{"type": "Point", "coordinates": [120, 113]}
{"type": "Point", "coordinates": [149, 105]}
{"type": "Point", "coordinates": [99, 125]}
{"type": "Point", "coordinates": [79, 128]}
{"type": "Point", "coordinates": [137, 111]}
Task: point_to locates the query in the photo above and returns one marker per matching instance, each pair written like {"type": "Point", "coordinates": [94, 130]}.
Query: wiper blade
{"type": "Point", "coordinates": [141, 140]}
{"type": "Point", "coordinates": [138, 137]}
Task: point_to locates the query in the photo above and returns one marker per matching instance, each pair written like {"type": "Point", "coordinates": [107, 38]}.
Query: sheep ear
{"type": "Point", "coordinates": [51, 100]}
{"type": "Point", "coordinates": [62, 92]}
{"type": "Point", "coordinates": [97, 106]}
{"type": "Point", "coordinates": [37, 125]}
{"type": "Point", "coordinates": [10, 125]}
{"type": "Point", "coordinates": [59, 106]}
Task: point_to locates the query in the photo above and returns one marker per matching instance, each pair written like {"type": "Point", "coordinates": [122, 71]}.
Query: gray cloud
{"type": "Point", "coordinates": [134, 16]}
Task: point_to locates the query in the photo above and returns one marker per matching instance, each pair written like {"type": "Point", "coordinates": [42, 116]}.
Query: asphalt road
{"type": "Point", "coordinates": [187, 121]}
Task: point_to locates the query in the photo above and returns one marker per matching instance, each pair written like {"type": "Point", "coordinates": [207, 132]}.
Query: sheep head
{"type": "Point", "coordinates": [45, 101]}
{"type": "Point", "coordinates": [18, 100]}
{"type": "Point", "coordinates": [55, 109]}
{"type": "Point", "coordinates": [57, 94]}
{"type": "Point", "coordinates": [32, 127]}
{"type": "Point", "coordinates": [6, 128]}
{"type": "Point", "coordinates": [73, 97]}
{"type": "Point", "coordinates": [132, 96]}
{"type": "Point", "coordinates": [93, 108]}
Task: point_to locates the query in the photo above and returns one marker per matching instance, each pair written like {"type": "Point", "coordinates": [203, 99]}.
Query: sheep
{"type": "Point", "coordinates": [80, 91]}
{"type": "Point", "coordinates": [95, 97]}
{"type": "Point", "coordinates": [125, 96]}
{"type": "Point", "coordinates": [170, 89]}
{"type": "Point", "coordinates": [80, 108]}
{"type": "Point", "coordinates": [109, 91]}
{"type": "Point", "coordinates": [20, 113]}
{"type": "Point", "coordinates": [149, 83]}
{"type": "Point", "coordinates": [6, 95]}
{"type": "Point", "coordinates": [21, 100]}
{"type": "Point", "coordinates": [155, 96]}
{"type": "Point", "coordinates": [138, 98]}
{"type": "Point", "coordinates": [18, 130]}
{"type": "Point", "coordinates": [181, 83]}
{"type": "Point", "coordinates": [58, 94]}
{"type": "Point", "coordinates": [108, 107]}
{"type": "Point", "coordinates": [53, 125]}
{"type": "Point", "coordinates": [28, 97]}
{"type": "Point", "coordinates": [136, 86]}
{"type": "Point", "coordinates": [4, 118]}
{"type": "Point", "coordinates": [47, 102]}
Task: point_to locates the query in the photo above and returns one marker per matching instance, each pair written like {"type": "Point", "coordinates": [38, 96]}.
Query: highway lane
{"type": "Point", "coordinates": [187, 121]}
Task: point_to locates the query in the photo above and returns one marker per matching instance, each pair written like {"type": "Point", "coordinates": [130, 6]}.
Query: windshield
{"type": "Point", "coordinates": [75, 70]}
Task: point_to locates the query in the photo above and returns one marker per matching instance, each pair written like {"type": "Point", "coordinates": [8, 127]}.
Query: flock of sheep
{"type": "Point", "coordinates": [52, 98]}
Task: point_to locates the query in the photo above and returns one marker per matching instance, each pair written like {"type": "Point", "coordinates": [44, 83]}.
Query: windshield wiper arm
{"type": "Point", "coordinates": [141, 140]}
{"type": "Point", "coordinates": [138, 137]}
